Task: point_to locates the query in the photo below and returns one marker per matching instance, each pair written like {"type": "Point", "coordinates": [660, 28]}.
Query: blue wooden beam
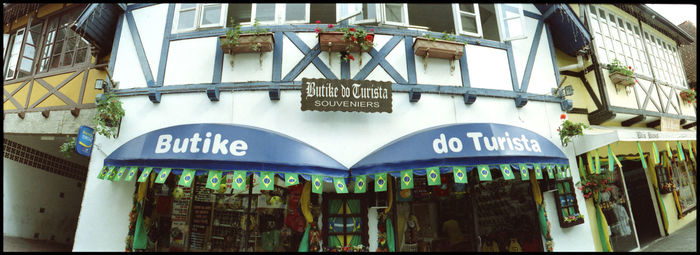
{"type": "Point", "coordinates": [344, 68]}
{"type": "Point", "coordinates": [378, 58]}
{"type": "Point", "coordinates": [165, 46]}
{"type": "Point", "coordinates": [532, 15]}
{"type": "Point", "coordinates": [553, 54]}
{"type": "Point", "coordinates": [115, 45]}
{"type": "Point", "coordinates": [549, 12]}
{"type": "Point", "coordinates": [464, 69]}
{"type": "Point", "coordinates": [531, 58]}
{"type": "Point", "coordinates": [277, 57]}
{"type": "Point", "coordinates": [310, 56]}
{"type": "Point", "coordinates": [145, 67]}
{"type": "Point", "coordinates": [410, 59]}
{"type": "Point", "coordinates": [218, 63]}
{"type": "Point", "coordinates": [511, 66]}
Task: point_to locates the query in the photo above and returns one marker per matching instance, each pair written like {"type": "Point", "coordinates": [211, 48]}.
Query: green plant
{"type": "Point", "coordinates": [356, 37]}
{"type": "Point", "coordinates": [445, 37]}
{"type": "Point", "coordinates": [232, 34]}
{"type": "Point", "coordinates": [68, 147]}
{"type": "Point", "coordinates": [617, 67]}
{"type": "Point", "coordinates": [257, 31]}
{"type": "Point", "coordinates": [595, 183]}
{"type": "Point", "coordinates": [109, 112]}
{"type": "Point", "coordinates": [689, 95]}
{"type": "Point", "coordinates": [572, 218]}
{"type": "Point", "coordinates": [569, 129]}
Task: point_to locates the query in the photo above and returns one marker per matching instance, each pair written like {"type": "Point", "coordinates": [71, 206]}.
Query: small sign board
{"type": "Point", "coordinates": [327, 95]}
{"type": "Point", "coordinates": [84, 142]}
{"type": "Point", "coordinates": [670, 124]}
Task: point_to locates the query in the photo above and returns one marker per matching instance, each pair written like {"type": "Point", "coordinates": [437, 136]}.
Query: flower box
{"type": "Point", "coordinates": [264, 42]}
{"type": "Point", "coordinates": [621, 79]}
{"type": "Point", "coordinates": [666, 188]}
{"type": "Point", "coordinates": [334, 42]}
{"type": "Point", "coordinates": [568, 224]}
{"type": "Point", "coordinates": [438, 48]}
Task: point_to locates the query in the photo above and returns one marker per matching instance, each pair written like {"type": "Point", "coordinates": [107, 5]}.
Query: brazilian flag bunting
{"type": "Point", "coordinates": [597, 161]}
{"type": "Point", "coordinates": [339, 184]}
{"type": "Point", "coordinates": [131, 174]}
{"type": "Point", "coordinates": [433, 174]}
{"type": "Point", "coordinates": [267, 181]}
{"type": "Point", "coordinates": [186, 177]}
{"type": "Point", "coordinates": [112, 173]}
{"type": "Point", "coordinates": [360, 184]}
{"type": "Point", "coordinates": [144, 175]}
{"type": "Point", "coordinates": [214, 179]}
{"type": "Point", "coordinates": [538, 172]}
{"type": "Point", "coordinates": [507, 172]}
{"type": "Point", "coordinates": [559, 174]}
{"type": "Point", "coordinates": [380, 182]}
{"type": "Point", "coordinates": [317, 184]}
{"type": "Point", "coordinates": [680, 151]}
{"type": "Point", "coordinates": [610, 159]}
{"type": "Point", "coordinates": [656, 153]}
{"type": "Point", "coordinates": [239, 180]}
{"type": "Point", "coordinates": [524, 173]}
{"type": "Point", "coordinates": [550, 171]}
{"type": "Point", "coordinates": [460, 174]}
{"type": "Point", "coordinates": [291, 179]}
{"type": "Point", "coordinates": [103, 172]}
{"type": "Point", "coordinates": [641, 155]}
{"type": "Point", "coordinates": [163, 175]}
{"type": "Point", "coordinates": [690, 151]}
{"type": "Point", "coordinates": [407, 179]}
{"type": "Point", "coordinates": [120, 173]}
{"type": "Point", "coordinates": [484, 172]}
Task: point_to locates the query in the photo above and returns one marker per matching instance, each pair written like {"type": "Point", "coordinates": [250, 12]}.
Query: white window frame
{"type": "Point", "coordinates": [404, 12]}
{"type": "Point", "coordinates": [503, 22]}
{"type": "Point", "coordinates": [198, 18]}
{"type": "Point", "coordinates": [457, 13]}
{"type": "Point", "coordinates": [280, 15]}
{"type": "Point", "coordinates": [19, 54]}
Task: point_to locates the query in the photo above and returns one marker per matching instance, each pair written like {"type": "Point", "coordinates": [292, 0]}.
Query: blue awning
{"type": "Point", "coordinates": [568, 32]}
{"type": "Point", "coordinates": [461, 145]}
{"type": "Point", "coordinates": [224, 147]}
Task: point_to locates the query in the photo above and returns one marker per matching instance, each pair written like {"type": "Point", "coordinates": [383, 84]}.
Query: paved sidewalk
{"type": "Point", "coordinates": [28, 245]}
{"type": "Point", "coordinates": [684, 240]}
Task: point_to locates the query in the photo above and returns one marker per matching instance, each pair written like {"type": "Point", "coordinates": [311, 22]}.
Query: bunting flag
{"type": "Point", "coordinates": [568, 170]}
{"type": "Point", "coordinates": [559, 173]}
{"type": "Point", "coordinates": [239, 180]}
{"type": "Point", "coordinates": [484, 172]}
{"type": "Point", "coordinates": [668, 150]}
{"type": "Point", "coordinates": [407, 179]}
{"type": "Point", "coordinates": [524, 173]}
{"type": "Point", "coordinates": [610, 159]}
{"type": "Point", "coordinates": [131, 174]}
{"type": "Point", "coordinates": [317, 184]}
{"type": "Point", "coordinates": [680, 151]}
{"type": "Point", "coordinates": [291, 179]}
{"type": "Point", "coordinates": [186, 177]}
{"type": "Point", "coordinates": [460, 174]}
{"type": "Point", "coordinates": [550, 171]}
{"type": "Point", "coordinates": [214, 179]}
{"type": "Point", "coordinates": [507, 172]}
{"type": "Point", "coordinates": [163, 175]}
{"type": "Point", "coordinates": [581, 171]}
{"type": "Point", "coordinates": [641, 155]}
{"type": "Point", "coordinates": [433, 174]}
{"type": "Point", "coordinates": [112, 172]}
{"type": "Point", "coordinates": [690, 151]}
{"type": "Point", "coordinates": [590, 163]}
{"type": "Point", "coordinates": [339, 184]}
{"type": "Point", "coordinates": [120, 173]}
{"type": "Point", "coordinates": [597, 161]}
{"type": "Point", "coordinates": [267, 181]}
{"type": "Point", "coordinates": [360, 184]}
{"type": "Point", "coordinates": [617, 161]}
{"type": "Point", "coordinates": [656, 153]}
{"type": "Point", "coordinates": [103, 172]}
{"type": "Point", "coordinates": [538, 171]}
{"type": "Point", "coordinates": [144, 175]}
{"type": "Point", "coordinates": [380, 182]}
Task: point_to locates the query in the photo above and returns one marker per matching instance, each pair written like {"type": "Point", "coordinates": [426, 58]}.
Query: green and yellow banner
{"type": "Point", "coordinates": [187, 177]}
{"type": "Point", "coordinates": [163, 175]}
{"type": "Point", "coordinates": [291, 179]}
{"type": "Point", "coordinates": [507, 172]}
{"type": "Point", "coordinates": [360, 184]}
{"type": "Point", "coordinates": [267, 181]}
{"type": "Point", "coordinates": [103, 172]}
{"type": "Point", "coordinates": [214, 179]}
{"type": "Point", "coordinates": [484, 172]}
{"type": "Point", "coordinates": [407, 179]}
{"type": "Point", "coordinates": [339, 184]}
{"type": "Point", "coordinates": [538, 172]}
{"type": "Point", "coordinates": [380, 182]}
{"type": "Point", "coordinates": [550, 171]}
{"type": "Point", "coordinates": [524, 172]}
{"type": "Point", "coordinates": [460, 174]}
{"type": "Point", "coordinates": [132, 172]}
{"type": "Point", "coordinates": [144, 175]}
{"type": "Point", "coordinates": [317, 184]}
{"type": "Point", "coordinates": [641, 155]}
{"type": "Point", "coordinates": [120, 173]}
{"type": "Point", "coordinates": [433, 174]}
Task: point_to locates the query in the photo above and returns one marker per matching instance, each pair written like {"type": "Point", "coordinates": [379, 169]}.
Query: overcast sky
{"type": "Point", "coordinates": [676, 13]}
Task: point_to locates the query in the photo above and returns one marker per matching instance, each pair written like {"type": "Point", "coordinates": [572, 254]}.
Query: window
{"type": "Point", "coordinates": [11, 69]}
{"type": "Point", "coordinates": [344, 218]}
{"type": "Point", "coordinates": [395, 14]}
{"type": "Point", "coordinates": [280, 13]}
{"type": "Point", "coordinates": [190, 17]}
{"type": "Point", "coordinates": [511, 21]}
{"type": "Point", "coordinates": [467, 19]}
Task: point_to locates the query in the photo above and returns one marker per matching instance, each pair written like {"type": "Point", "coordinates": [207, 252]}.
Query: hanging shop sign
{"type": "Point", "coordinates": [83, 144]}
{"type": "Point", "coordinates": [328, 95]}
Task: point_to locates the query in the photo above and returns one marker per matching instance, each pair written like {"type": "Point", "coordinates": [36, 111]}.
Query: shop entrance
{"type": "Point", "coordinates": [640, 200]}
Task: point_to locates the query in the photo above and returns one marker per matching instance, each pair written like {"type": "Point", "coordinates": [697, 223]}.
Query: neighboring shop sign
{"type": "Point", "coordinates": [83, 144]}
{"type": "Point", "coordinates": [345, 95]}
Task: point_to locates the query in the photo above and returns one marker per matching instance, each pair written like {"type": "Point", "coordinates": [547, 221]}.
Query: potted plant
{"type": "Point", "coordinates": [595, 183]}
{"type": "Point", "coordinates": [345, 40]}
{"type": "Point", "coordinates": [688, 95]}
{"type": "Point", "coordinates": [445, 47]}
{"type": "Point", "coordinates": [571, 220]}
{"type": "Point", "coordinates": [259, 40]}
{"type": "Point", "coordinates": [108, 116]}
{"type": "Point", "coordinates": [621, 75]}
{"type": "Point", "coordinates": [569, 129]}
{"type": "Point", "coordinates": [68, 147]}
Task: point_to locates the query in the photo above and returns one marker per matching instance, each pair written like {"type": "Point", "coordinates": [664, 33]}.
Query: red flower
{"type": "Point", "coordinates": [630, 67]}
{"type": "Point", "coordinates": [371, 29]}
{"type": "Point", "coordinates": [352, 29]}
{"type": "Point", "coordinates": [369, 38]}
{"type": "Point", "coordinates": [318, 21]}
{"type": "Point", "coordinates": [350, 57]}
{"type": "Point", "coordinates": [353, 38]}
{"type": "Point", "coordinates": [562, 116]}
{"type": "Point", "coordinates": [330, 25]}
{"type": "Point", "coordinates": [317, 30]}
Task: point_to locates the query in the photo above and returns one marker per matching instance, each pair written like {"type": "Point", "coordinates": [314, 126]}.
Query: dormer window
{"type": "Point", "coordinates": [191, 17]}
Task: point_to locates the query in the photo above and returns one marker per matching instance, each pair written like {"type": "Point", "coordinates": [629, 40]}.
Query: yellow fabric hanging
{"type": "Point", "coordinates": [590, 162]}
{"type": "Point", "coordinates": [597, 161]}
{"type": "Point", "coordinates": [536, 191]}
{"type": "Point", "coordinates": [390, 193]}
{"type": "Point", "coordinates": [655, 155]}
{"type": "Point", "coordinates": [581, 171]}
{"type": "Point", "coordinates": [617, 161]}
{"type": "Point", "coordinates": [668, 150]}
{"type": "Point", "coordinates": [141, 193]}
{"type": "Point", "coordinates": [605, 228]}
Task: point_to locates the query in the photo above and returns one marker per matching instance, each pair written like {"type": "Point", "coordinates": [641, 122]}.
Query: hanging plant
{"type": "Point", "coordinates": [108, 116]}
{"type": "Point", "coordinates": [569, 129]}
{"type": "Point", "coordinates": [621, 75]}
{"type": "Point", "coordinates": [688, 95]}
{"type": "Point", "coordinates": [595, 183]}
{"type": "Point", "coordinates": [68, 147]}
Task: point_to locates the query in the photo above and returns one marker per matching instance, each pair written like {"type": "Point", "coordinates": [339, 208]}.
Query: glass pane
{"type": "Point", "coordinates": [353, 225]}
{"type": "Point", "coordinates": [265, 12]}
{"type": "Point", "coordinates": [67, 59]}
{"type": "Point", "coordinates": [58, 47]}
{"type": "Point", "coordinates": [636, 30]}
{"type": "Point", "coordinates": [211, 14]}
{"type": "Point", "coordinates": [514, 27]}
{"type": "Point", "coordinates": [469, 24]}
{"type": "Point", "coordinates": [369, 11]}
{"type": "Point", "coordinates": [394, 12]}
{"type": "Point", "coordinates": [466, 8]}
{"type": "Point", "coordinates": [335, 224]}
{"type": "Point", "coordinates": [602, 14]}
{"type": "Point", "coordinates": [29, 51]}
{"type": "Point", "coordinates": [55, 60]}
{"type": "Point", "coordinates": [619, 22]}
{"type": "Point", "coordinates": [53, 24]}
{"type": "Point", "coordinates": [511, 11]}
{"type": "Point", "coordinates": [186, 20]}
{"type": "Point", "coordinates": [80, 55]}
{"type": "Point", "coordinates": [295, 12]}
{"type": "Point", "coordinates": [187, 6]}
{"type": "Point", "coordinates": [34, 34]}
{"type": "Point", "coordinates": [44, 64]}
{"type": "Point", "coordinates": [592, 8]}
{"type": "Point", "coordinates": [61, 34]}
{"type": "Point", "coordinates": [611, 18]}
{"type": "Point", "coordinates": [25, 68]}
{"type": "Point", "coordinates": [50, 36]}
{"type": "Point", "coordinates": [71, 43]}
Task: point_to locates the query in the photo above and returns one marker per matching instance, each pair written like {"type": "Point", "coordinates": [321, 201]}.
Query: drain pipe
{"type": "Point", "coordinates": [578, 65]}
